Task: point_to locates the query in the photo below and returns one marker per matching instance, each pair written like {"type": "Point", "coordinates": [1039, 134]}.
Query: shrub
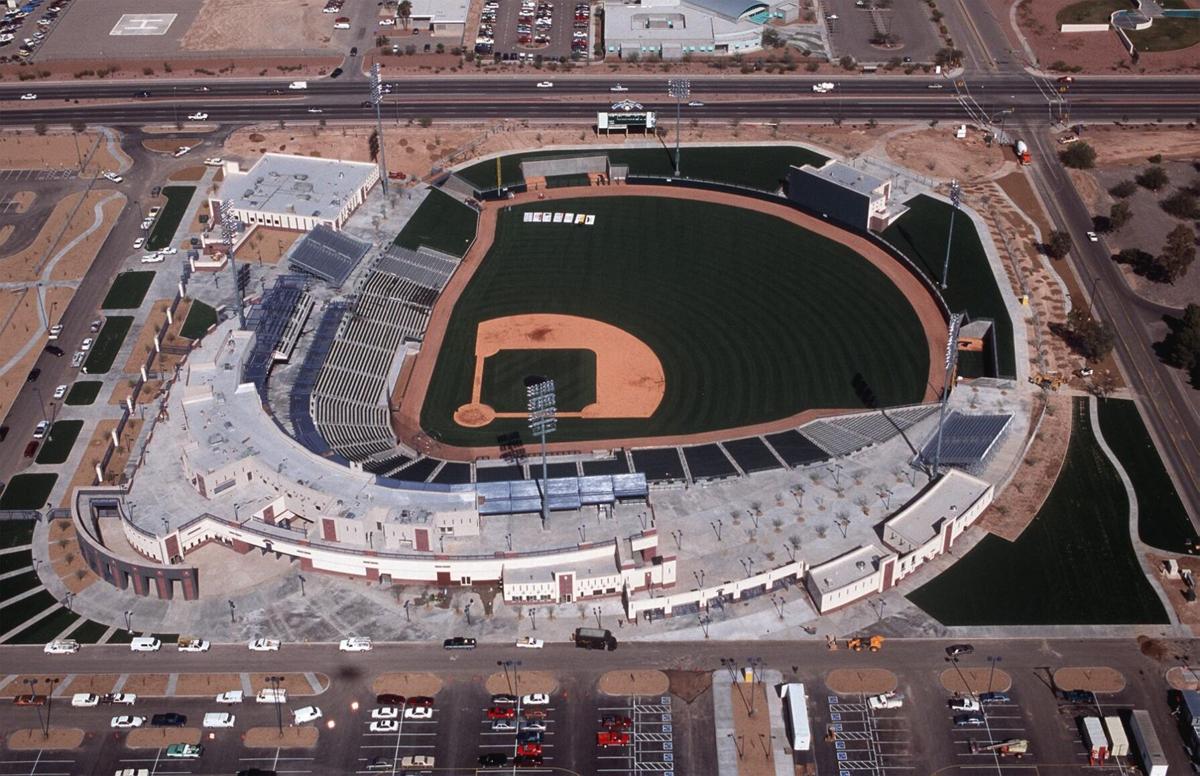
{"type": "Point", "coordinates": [1182, 204]}
{"type": "Point", "coordinates": [1153, 178]}
{"type": "Point", "coordinates": [1058, 245]}
{"type": "Point", "coordinates": [1125, 188]}
{"type": "Point", "coordinates": [1079, 155]}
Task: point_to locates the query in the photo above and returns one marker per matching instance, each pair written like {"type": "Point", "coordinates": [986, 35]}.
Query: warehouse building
{"type": "Point", "coordinates": [295, 192]}
{"type": "Point", "coordinates": [672, 29]}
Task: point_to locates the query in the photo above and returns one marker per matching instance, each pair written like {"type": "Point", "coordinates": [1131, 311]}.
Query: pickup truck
{"type": "Point", "coordinates": [607, 738]}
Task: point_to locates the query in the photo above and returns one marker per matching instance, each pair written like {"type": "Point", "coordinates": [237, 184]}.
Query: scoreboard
{"type": "Point", "coordinates": [643, 120]}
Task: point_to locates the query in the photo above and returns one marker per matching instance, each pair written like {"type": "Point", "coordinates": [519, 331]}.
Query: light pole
{"type": "Point", "coordinates": [596, 611]}
{"type": "Point", "coordinates": [33, 692]}
{"type": "Point", "coordinates": [951, 360]}
{"type": "Point", "coordinates": [680, 89]}
{"type": "Point", "coordinates": [955, 201]}
{"type": "Point", "coordinates": [299, 577]}
{"type": "Point", "coordinates": [229, 227]}
{"type": "Point", "coordinates": [532, 618]}
{"type": "Point", "coordinates": [232, 610]}
{"type": "Point", "coordinates": [50, 680]}
{"type": "Point", "coordinates": [407, 616]}
{"type": "Point", "coordinates": [129, 621]}
{"type": "Point", "coordinates": [992, 671]}
{"type": "Point", "coordinates": [376, 99]}
{"type": "Point", "coordinates": [275, 680]}
{"type": "Point", "coordinates": [542, 401]}
{"type": "Point", "coordinates": [468, 612]}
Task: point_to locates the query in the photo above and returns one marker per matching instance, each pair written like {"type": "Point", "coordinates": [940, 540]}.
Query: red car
{"type": "Point", "coordinates": [615, 722]}
{"type": "Point", "coordinates": [533, 713]}
{"type": "Point", "coordinates": [607, 738]}
{"type": "Point", "coordinates": [497, 712]}
{"type": "Point", "coordinates": [420, 700]}
{"type": "Point", "coordinates": [530, 750]}
{"type": "Point", "coordinates": [527, 760]}
{"type": "Point", "coordinates": [30, 700]}
{"type": "Point", "coordinates": [31, 448]}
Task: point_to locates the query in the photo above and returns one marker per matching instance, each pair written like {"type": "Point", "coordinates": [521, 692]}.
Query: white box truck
{"type": "Point", "coordinates": [1118, 742]}
{"type": "Point", "coordinates": [1096, 741]}
{"type": "Point", "coordinates": [298, 85]}
{"type": "Point", "coordinates": [797, 706]}
{"type": "Point", "coordinates": [1150, 751]}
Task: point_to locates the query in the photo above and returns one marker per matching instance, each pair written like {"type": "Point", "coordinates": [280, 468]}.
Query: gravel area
{"type": "Point", "coordinates": [638, 682]}
{"type": "Point", "coordinates": [975, 680]}
{"type": "Point", "coordinates": [1094, 678]}
{"type": "Point", "coordinates": [861, 681]}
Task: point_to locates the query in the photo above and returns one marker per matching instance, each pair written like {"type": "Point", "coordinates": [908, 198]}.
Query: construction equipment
{"type": "Point", "coordinates": [1013, 747]}
{"type": "Point", "coordinates": [1047, 380]}
{"type": "Point", "coordinates": [858, 643]}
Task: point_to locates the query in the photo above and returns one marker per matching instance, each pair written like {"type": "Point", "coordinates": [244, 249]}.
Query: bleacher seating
{"type": "Point", "coordinates": [327, 254]}
{"type": "Point", "coordinates": [842, 435]}
{"type": "Point", "coordinates": [966, 439]}
{"type": "Point", "coordinates": [272, 320]}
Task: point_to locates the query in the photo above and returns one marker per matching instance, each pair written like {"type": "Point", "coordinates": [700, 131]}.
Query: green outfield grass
{"type": "Point", "coordinates": [574, 373]}
{"type": "Point", "coordinates": [59, 441]}
{"type": "Point", "coordinates": [442, 223]}
{"type": "Point", "coordinates": [1167, 35]}
{"type": "Point", "coordinates": [200, 316]}
{"type": "Point", "coordinates": [921, 235]}
{"type": "Point", "coordinates": [753, 318]}
{"type": "Point", "coordinates": [84, 392]}
{"type": "Point", "coordinates": [163, 231]}
{"type": "Point", "coordinates": [1091, 11]}
{"type": "Point", "coordinates": [108, 343]}
{"type": "Point", "coordinates": [1162, 520]}
{"type": "Point", "coordinates": [1073, 565]}
{"type": "Point", "coordinates": [28, 491]}
{"type": "Point", "coordinates": [758, 167]}
{"type": "Point", "coordinates": [128, 290]}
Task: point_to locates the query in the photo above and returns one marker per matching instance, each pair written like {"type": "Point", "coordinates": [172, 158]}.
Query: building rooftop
{"type": "Point", "coordinates": [299, 185]}
{"type": "Point", "coordinates": [671, 21]}
{"type": "Point", "coordinates": [447, 11]}
{"type": "Point", "coordinates": [850, 567]}
{"type": "Point", "coordinates": [729, 9]}
{"type": "Point", "coordinates": [846, 176]}
{"type": "Point", "coordinates": [950, 496]}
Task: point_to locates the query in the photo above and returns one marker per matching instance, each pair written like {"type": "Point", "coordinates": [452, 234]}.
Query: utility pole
{"type": "Point", "coordinates": [376, 99]}
{"type": "Point", "coordinates": [955, 201]}
{"type": "Point", "coordinates": [680, 89]}
{"type": "Point", "coordinates": [229, 227]}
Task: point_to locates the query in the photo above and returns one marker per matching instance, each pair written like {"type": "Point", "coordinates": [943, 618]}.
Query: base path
{"type": "Point", "coordinates": [409, 397]}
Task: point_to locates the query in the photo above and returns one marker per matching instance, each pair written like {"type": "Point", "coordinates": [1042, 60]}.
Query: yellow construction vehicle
{"type": "Point", "coordinates": [858, 643]}
{"type": "Point", "coordinates": [876, 643]}
{"type": "Point", "coordinates": [1048, 380]}
{"type": "Point", "coordinates": [1013, 747]}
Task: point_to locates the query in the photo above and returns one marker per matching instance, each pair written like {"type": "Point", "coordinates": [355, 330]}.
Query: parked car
{"type": "Point", "coordinates": [384, 726]}
{"type": "Point", "coordinates": [95, 325]}
{"type": "Point", "coordinates": [29, 700]}
{"type": "Point", "coordinates": [231, 696]}
{"type": "Point", "coordinates": [119, 698]}
{"type": "Point", "coordinates": [964, 704]}
{"type": "Point", "coordinates": [501, 712]}
{"type": "Point", "coordinates": [355, 644]}
{"type": "Point", "coordinates": [535, 699]}
{"type": "Point", "coordinates": [197, 116]}
{"type": "Point", "coordinates": [125, 722]}
{"type": "Point", "coordinates": [85, 700]}
{"type": "Point", "coordinates": [531, 724]}
{"type": "Point", "coordinates": [459, 642]}
{"type": "Point", "coordinates": [39, 431]}
{"type": "Point", "coordinates": [418, 712]}
{"type": "Point", "coordinates": [60, 392]}
{"type": "Point", "coordinates": [31, 448]}
{"type": "Point", "coordinates": [616, 722]}
{"type": "Point", "coordinates": [145, 644]}
{"type": "Point", "coordinates": [29, 96]}
{"type": "Point", "coordinates": [55, 351]}
{"type": "Point", "coordinates": [184, 751]}
{"type": "Point", "coordinates": [112, 176]}
{"type": "Point", "coordinates": [219, 719]}
{"type": "Point", "coordinates": [493, 759]}
{"type": "Point", "coordinates": [528, 642]}
{"type": "Point", "coordinates": [55, 331]}
{"type": "Point", "coordinates": [33, 375]}
{"type": "Point", "coordinates": [264, 645]}
{"type": "Point", "coordinates": [86, 345]}
{"type": "Point", "coordinates": [385, 712]}
{"type": "Point", "coordinates": [528, 761]}
{"type": "Point", "coordinates": [190, 644]}
{"type": "Point", "coordinates": [994, 697]}
{"type": "Point", "coordinates": [607, 738]}
{"type": "Point", "coordinates": [420, 700]}
{"type": "Point", "coordinates": [529, 737]}
{"type": "Point", "coordinates": [389, 699]}
{"type": "Point", "coordinates": [169, 719]}
{"type": "Point", "coordinates": [954, 650]}
{"type": "Point", "coordinates": [306, 714]}
{"type": "Point", "coordinates": [503, 725]}
{"type": "Point", "coordinates": [545, 84]}
{"type": "Point", "coordinates": [61, 647]}
{"type": "Point", "coordinates": [968, 720]}
{"type": "Point", "coordinates": [417, 761]}
{"type": "Point", "coordinates": [503, 698]}
{"type": "Point", "coordinates": [138, 243]}
{"type": "Point", "coordinates": [1081, 697]}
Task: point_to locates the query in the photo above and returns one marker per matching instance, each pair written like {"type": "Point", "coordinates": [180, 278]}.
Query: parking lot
{"type": "Point", "coordinates": [651, 747]}
{"type": "Point", "coordinates": [851, 27]}
{"type": "Point", "coordinates": [16, 176]}
{"type": "Point", "coordinates": [866, 739]}
{"type": "Point", "coordinates": [527, 29]}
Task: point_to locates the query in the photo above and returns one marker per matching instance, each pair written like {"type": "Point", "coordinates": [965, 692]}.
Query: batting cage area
{"type": "Point", "coordinates": [734, 317]}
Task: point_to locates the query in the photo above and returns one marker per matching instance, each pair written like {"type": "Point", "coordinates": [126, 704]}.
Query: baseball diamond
{"type": "Point", "coordinates": [761, 317]}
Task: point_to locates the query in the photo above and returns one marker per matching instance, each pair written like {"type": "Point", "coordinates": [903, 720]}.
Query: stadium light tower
{"type": "Point", "coordinates": [376, 100]}
{"type": "Point", "coordinates": [951, 361]}
{"type": "Point", "coordinates": [680, 89]}
{"type": "Point", "coordinates": [542, 402]}
{"type": "Point", "coordinates": [955, 201]}
{"type": "Point", "coordinates": [229, 227]}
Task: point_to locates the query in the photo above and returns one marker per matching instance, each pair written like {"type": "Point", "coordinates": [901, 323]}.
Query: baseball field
{"type": "Point", "coordinates": [701, 316]}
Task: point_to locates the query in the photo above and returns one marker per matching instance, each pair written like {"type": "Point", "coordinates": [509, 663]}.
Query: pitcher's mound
{"type": "Point", "coordinates": [474, 415]}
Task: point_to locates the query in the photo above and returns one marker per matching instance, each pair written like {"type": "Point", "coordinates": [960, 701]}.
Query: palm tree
{"type": "Point", "coordinates": [405, 11]}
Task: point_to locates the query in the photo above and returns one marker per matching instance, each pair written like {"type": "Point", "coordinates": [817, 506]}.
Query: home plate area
{"type": "Point", "coordinates": [652, 742]}
{"type": "Point", "coordinates": [143, 24]}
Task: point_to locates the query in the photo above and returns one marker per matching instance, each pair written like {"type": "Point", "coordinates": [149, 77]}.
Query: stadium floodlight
{"type": "Point", "coordinates": [951, 361]}
{"type": "Point", "coordinates": [542, 402]}
{"type": "Point", "coordinates": [229, 229]}
{"type": "Point", "coordinates": [955, 201]}
{"type": "Point", "coordinates": [680, 89]}
{"type": "Point", "coordinates": [376, 100]}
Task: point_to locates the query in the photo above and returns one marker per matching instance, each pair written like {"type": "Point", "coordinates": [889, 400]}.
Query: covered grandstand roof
{"type": "Point", "coordinates": [329, 255]}
{"type": "Point", "coordinates": [730, 9]}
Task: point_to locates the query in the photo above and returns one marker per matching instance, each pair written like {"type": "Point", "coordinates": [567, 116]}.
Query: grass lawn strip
{"type": "Point", "coordinates": [757, 167]}
{"type": "Point", "coordinates": [920, 234]}
{"type": "Point", "coordinates": [128, 290]}
{"type": "Point", "coordinates": [164, 227]}
{"type": "Point", "coordinates": [14, 533]}
{"type": "Point", "coordinates": [1162, 520]}
{"type": "Point", "coordinates": [84, 392]}
{"type": "Point", "coordinates": [47, 628]}
{"type": "Point", "coordinates": [200, 316]}
{"type": "Point", "coordinates": [88, 632]}
{"type": "Point", "coordinates": [12, 561]}
{"type": "Point", "coordinates": [442, 223]}
{"type": "Point", "coordinates": [18, 584]}
{"type": "Point", "coordinates": [1050, 575]}
{"type": "Point", "coordinates": [1167, 35]}
{"type": "Point", "coordinates": [59, 441]}
{"type": "Point", "coordinates": [108, 343]}
{"type": "Point", "coordinates": [762, 320]}
{"type": "Point", "coordinates": [28, 491]}
{"type": "Point", "coordinates": [1091, 11]}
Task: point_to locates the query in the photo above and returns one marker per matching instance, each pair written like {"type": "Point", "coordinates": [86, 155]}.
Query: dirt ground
{"type": "Point", "coordinates": [281, 67]}
{"type": "Point", "coordinates": [295, 684]}
{"type": "Point", "coordinates": [16, 686]}
{"type": "Point", "coordinates": [407, 684]}
{"type": "Point", "coordinates": [159, 738]}
{"type": "Point", "coordinates": [96, 684]}
{"type": "Point", "coordinates": [752, 734]}
{"type": "Point", "coordinates": [19, 323]}
{"type": "Point", "coordinates": [267, 245]}
{"type": "Point", "coordinates": [100, 440]}
{"type": "Point", "coordinates": [861, 681]}
{"type": "Point", "coordinates": [27, 264]}
{"type": "Point", "coordinates": [1134, 143]}
{"type": "Point", "coordinates": [235, 25]}
{"type": "Point", "coordinates": [147, 684]}
{"type": "Point", "coordinates": [414, 150]}
{"type": "Point", "coordinates": [936, 153]}
{"type": "Point", "coordinates": [1094, 52]}
{"type": "Point", "coordinates": [5, 232]}
{"type": "Point", "coordinates": [145, 341]}
{"type": "Point", "coordinates": [526, 682]}
{"type": "Point", "coordinates": [26, 150]}
{"type": "Point", "coordinates": [636, 682]}
{"type": "Point", "coordinates": [85, 473]}
{"type": "Point", "coordinates": [406, 423]}
{"type": "Point", "coordinates": [66, 559]}
{"type": "Point", "coordinates": [188, 174]}
{"type": "Point", "coordinates": [1094, 678]}
{"type": "Point", "coordinates": [1182, 678]}
{"type": "Point", "coordinates": [975, 680]}
{"type": "Point", "coordinates": [150, 391]}
{"type": "Point", "coordinates": [21, 200]}
{"type": "Point", "coordinates": [27, 739]}
{"type": "Point", "coordinates": [202, 685]}
{"type": "Point", "coordinates": [304, 737]}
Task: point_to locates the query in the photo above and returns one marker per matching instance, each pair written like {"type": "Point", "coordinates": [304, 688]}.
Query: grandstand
{"type": "Point", "coordinates": [277, 322]}
{"type": "Point", "coordinates": [967, 440]}
{"type": "Point", "coordinates": [843, 435]}
{"type": "Point", "coordinates": [327, 254]}
{"type": "Point", "coordinates": [348, 402]}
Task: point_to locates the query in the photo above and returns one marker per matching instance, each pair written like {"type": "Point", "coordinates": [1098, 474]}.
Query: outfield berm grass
{"type": "Point", "coordinates": [752, 318]}
{"type": "Point", "coordinates": [442, 223]}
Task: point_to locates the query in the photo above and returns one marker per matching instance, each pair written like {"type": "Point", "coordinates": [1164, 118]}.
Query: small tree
{"type": "Point", "coordinates": [1141, 261]}
{"type": "Point", "coordinates": [1179, 251]}
{"type": "Point", "coordinates": [1181, 348]}
{"type": "Point", "coordinates": [1153, 178]}
{"type": "Point", "coordinates": [1125, 188]}
{"type": "Point", "coordinates": [39, 128]}
{"type": "Point", "coordinates": [1182, 204]}
{"type": "Point", "coordinates": [847, 62]}
{"type": "Point", "coordinates": [1119, 215]}
{"type": "Point", "coordinates": [1058, 245]}
{"type": "Point", "coordinates": [1093, 339]}
{"type": "Point", "coordinates": [404, 11]}
{"type": "Point", "coordinates": [1079, 155]}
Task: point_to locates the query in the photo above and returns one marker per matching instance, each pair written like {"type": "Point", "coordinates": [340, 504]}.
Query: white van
{"type": "Point", "coordinates": [298, 85]}
{"type": "Point", "coordinates": [145, 644]}
{"type": "Point", "coordinates": [271, 695]}
{"type": "Point", "coordinates": [85, 700]}
{"type": "Point", "coordinates": [219, 719]}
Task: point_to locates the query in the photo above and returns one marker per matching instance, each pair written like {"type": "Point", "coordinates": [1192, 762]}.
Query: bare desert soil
{"type": "Point", "coordinates": [936, 153]}
{"type": "Point", "coordinates": [280, 67]}
{"type": "Point", "coordinates": [235, 25]}
{"type": "Point", "coordinates": [1135, 143]}
{"type": "Point", "coordinates": [26, 150]}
